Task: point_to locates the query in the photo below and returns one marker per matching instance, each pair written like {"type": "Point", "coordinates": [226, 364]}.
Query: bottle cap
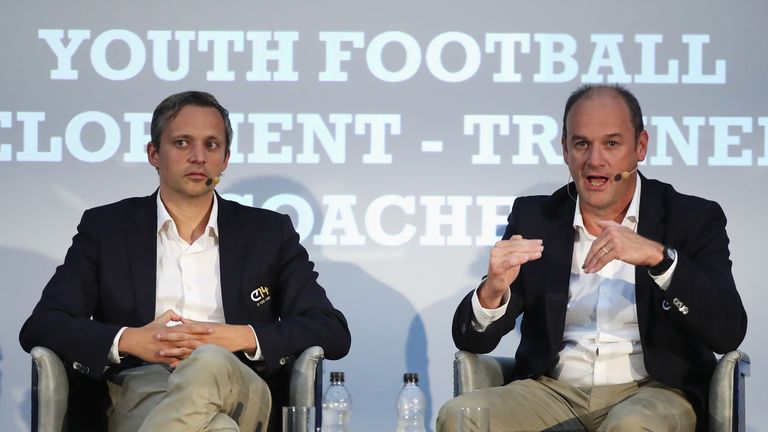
{"type": "Point", "coordinates": [411, 378]}
{"type": "Point", "coordinates": [337, 377]}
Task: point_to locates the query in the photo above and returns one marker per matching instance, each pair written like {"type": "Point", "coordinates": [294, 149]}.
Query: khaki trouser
{"type": "Point", "coordinates": [211, 390]}
{"type": "Point", "coordinates": [552, 405]}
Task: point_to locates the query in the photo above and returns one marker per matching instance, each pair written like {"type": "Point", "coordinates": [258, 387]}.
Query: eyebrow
{"type": "Point", "coordinates": [189, 137]}
{"type": "Point", "coordinates": [579, 138]}
{"type": "Point", "coordinates": [576, 137]}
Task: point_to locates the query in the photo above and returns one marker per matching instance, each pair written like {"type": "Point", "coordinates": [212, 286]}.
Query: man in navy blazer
{"type": "Point", "coordinates": [624, 286]}
{"type": "Point", "coordinates": [188, 305]}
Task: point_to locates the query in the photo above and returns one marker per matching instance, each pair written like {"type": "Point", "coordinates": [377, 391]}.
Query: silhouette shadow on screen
{"type": "Point", "coordinates": [388, 336]}
{"type": "Point", "coordinates": [24, 274]}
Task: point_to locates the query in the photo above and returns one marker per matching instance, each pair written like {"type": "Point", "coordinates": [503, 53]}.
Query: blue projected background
{"type": "Point", "coordinates": [396, 135]}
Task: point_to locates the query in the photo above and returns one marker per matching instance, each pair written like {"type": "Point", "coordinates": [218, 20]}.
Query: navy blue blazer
{"type": "Point", "coordinates": [678, 341]}
{"type": "Point", "coordinates": [109, 275]}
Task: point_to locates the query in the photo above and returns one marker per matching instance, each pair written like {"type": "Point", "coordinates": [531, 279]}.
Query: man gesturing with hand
{"type": "Point", "coordinates": [504, 266]}
{"type": "Point", "coordinates": [622, 287]}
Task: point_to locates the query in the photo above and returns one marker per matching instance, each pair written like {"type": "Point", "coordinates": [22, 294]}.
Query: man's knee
{"type": "Point", "coordinates": [222, 423]}
{"type": "Point", "coordinates": [210, 354]}
{"type": "Point", "coordinates": [209, 358]}
{"type": "Point", "coordinates": [208, 362]}
{"type": "Point", "coordinates": [626, 420]}
{"type": "Point", "coordinates": [653, 408]}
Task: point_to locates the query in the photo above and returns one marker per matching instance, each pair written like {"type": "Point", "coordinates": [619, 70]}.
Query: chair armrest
{"type": "Point", "coordinates": [726, 393]}
{"type": "Point", "coordinates": [306, 386]}
{"type": "Point", "coordinates": [50, 391]}
{"type": "Point", "coordinates": [475, 371]}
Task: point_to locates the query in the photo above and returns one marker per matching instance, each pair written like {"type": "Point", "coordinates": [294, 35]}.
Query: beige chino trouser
{"type": "Point", "coordinates": [211, 390]}
{"type": "Point", "coordinates": [546, 404]}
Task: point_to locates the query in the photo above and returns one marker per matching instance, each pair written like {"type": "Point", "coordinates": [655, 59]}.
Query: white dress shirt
{"type": "Point", "coordinates": [188, 275]}
{"type": "Point", "coordinates": [601, 339]}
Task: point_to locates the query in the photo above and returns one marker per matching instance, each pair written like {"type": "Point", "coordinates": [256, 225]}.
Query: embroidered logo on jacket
{"type": "Point", "coordinates": [260, 295]}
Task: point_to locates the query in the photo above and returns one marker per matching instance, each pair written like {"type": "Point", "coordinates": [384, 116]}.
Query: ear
{"type": "Point", "coordinates": [642, 146]}
{"type": "Point", "coordinates": [153, 154]}
{"type": "Point", "coordinates": [565, 149]}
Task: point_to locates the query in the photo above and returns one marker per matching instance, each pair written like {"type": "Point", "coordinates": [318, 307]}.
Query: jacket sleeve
{"type": "Point", "coordinates": [702, 289]}
{"type": "Point", "coordinates": [464, 335]}
{"type": "Point", "coordinates": [62, 320]}
{"type": "Point", "coordinates": [306, 315]}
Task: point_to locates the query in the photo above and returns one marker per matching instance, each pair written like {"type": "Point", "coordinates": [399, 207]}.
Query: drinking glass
{"type": "Point", "coordinates": [298, 419]}
{"type": "Point", "coordinates": [474, 419]}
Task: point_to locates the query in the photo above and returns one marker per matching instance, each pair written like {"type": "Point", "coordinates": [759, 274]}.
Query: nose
{"type": "Point", "coordinates": [196, 153]}
{"type": "Point", "coordinates": [595, 156]}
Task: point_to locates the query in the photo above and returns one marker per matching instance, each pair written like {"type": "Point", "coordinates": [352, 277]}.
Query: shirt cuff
{"type": "Point", "coordinates": [114, 352]}
{"type": "Point", "coordinates": [665, 279]}
{"type": "Point", "coordinates": [484, 317]}
{"type": "Point", "coordinates": [257, 356]}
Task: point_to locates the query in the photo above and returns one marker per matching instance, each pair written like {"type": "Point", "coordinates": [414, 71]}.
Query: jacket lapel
{"type": "Point", "coordinates": [651, 225]}
{"type": "Point", "coordinates": [559, 245]}
{"type": "Point", "coordinates": [141, 240]}
{"type": "Point", "coordinates": [232, 251]}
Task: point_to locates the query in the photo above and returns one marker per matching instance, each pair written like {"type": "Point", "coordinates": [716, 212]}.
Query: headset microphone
{"type": "Point", "coordinates": [624, 174]}
{"type": "Point", "coordinates": [215, 180]}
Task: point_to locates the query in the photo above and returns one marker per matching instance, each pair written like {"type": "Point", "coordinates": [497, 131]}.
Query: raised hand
{"type": "Point", "coordinates": [619, 242]}
{"type": "Point", "coordinates": [504, 266]}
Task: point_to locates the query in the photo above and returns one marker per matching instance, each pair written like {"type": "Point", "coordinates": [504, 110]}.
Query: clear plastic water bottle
{"type": "Point", "coordinates": [411, 405]}
{"type": "Point", "coordinates": [337, 405]}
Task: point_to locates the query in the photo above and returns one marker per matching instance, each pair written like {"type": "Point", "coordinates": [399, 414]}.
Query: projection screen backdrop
{"type": "Point", "coordinates": [395, 134]}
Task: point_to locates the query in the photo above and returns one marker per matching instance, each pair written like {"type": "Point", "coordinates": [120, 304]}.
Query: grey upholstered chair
{"type": "Point", "coordinates": [726, 392]}
{"type": "Point", "coordinates": [51, 387]}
